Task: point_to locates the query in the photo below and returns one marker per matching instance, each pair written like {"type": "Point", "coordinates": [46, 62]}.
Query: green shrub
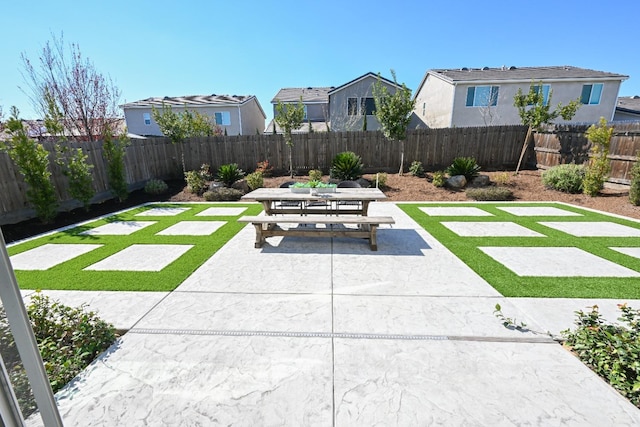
{"type": "Point", "coordinates": [466, 166]}
{"type": "Point", "coordinates": [634, 190]}
{"type": "Point", "coordinates": [229, 174]}
{"type": "Point", "coordinates": [78, 172]}
{"type": "Point", "coordinates": [599, 165]}
{"type": "Point", "coordinates": [32, 160]}
{"type": "Point", "coordinates": [610, 350]}
{"type": "Point", "coordinates": [255, 180]}
{"type": "Point", "coordinates": [382, 179]}
{"type": "Point", "coordinates": [489, 193]}
{"type": "Point", "coordinates": [502, 178]}
{"type": "Point", "coordinates": [567, 178]}
{"type": "Point", "coordinates": [205, 172]}
{"type": "Point", "coordinates": [114, 152]}
{"type": "Point", "coordinates": [155, 186]}
{"type": "Point", "coordinates": [439, 179]}
{"type": "Point", "coordinates": [195, 182]}
{"type": "Point", "coordinates": [416, 169]}
{"type": "Point", "coordinates": [315, 175]}
{"type": "Point", "coordinates": [222, 194]}
{"type": "Point", "coordinates": [346, 166]}
{"type": "Point", "coordinates": [68, 338]}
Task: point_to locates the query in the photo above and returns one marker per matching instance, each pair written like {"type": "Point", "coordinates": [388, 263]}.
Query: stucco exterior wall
{"type": "Point", "coordinates": [252, 118]}
{"type": "Point", "coordinates": [316, 112]}
{"type": "Point", "coordinates": [434, 103]}
{"type": "Point", "coordinates": [339, 117]}
{"type": "Point", "coordinates": [504, 113]}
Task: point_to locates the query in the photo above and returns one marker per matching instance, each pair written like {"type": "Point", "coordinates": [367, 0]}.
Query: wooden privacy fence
{"type": "Point", "coordinates": [496, 147]}
{"type": "Point", "coordinates": [560, 144]}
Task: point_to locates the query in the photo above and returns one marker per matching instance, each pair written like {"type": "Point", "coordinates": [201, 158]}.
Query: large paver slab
{"type": "Point", "coordinates": [222, 211]}
{"type": "Point", "coordinates": [455, 211]}
{"type": "Point", "coordinates": [490, 229]}
{"type": "Point", "coordinates": [141, 258]}
{"type": "Point", "coordinates": [552, 262]}
{"type": "Point", "coordinates": [118, 228]}
{"type": "Point", "coordinates": [537, 211]}
{"type": "Point", "coordinates": [160, 211]}
{"type": "Point", "coordinates": [465, 383]}
{"type": "Point", "coordinates": [192, 228]}
{"type": "Point", "coordinates": [49, 255]}
{"type": "Point", "coordinates": [172, 380]}
{"type": "Point", "coordinates": [593, 229]}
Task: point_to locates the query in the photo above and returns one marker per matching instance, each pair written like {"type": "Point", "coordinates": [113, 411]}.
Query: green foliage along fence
{"type": "Point", "coordinates": [496, 147]}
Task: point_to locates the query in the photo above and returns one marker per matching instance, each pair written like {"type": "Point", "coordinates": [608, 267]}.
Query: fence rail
{"type": "Point", "coordinates": [494, 148]}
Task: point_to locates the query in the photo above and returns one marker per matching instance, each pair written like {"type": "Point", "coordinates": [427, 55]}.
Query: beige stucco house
{"type": "Point", "coordinates": [484, 96]}
{"type": "Point", "coordinates": [235, 114]}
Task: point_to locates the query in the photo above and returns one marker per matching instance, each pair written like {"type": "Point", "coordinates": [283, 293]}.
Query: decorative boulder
{"type": "Point", "coordinates": [480, 181]}
{"type": "Point", "coordinates": [215, 184]}
{"type": "Point", "coordinates": [241, 185]}
{"type": "Point", "coordinates": [457, 182]}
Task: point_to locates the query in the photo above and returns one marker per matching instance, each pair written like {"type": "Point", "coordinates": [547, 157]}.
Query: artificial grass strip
{"type": "Point", "coordinates": [70, 275]}
{"type": "Point", "coordinates": [511, 285]}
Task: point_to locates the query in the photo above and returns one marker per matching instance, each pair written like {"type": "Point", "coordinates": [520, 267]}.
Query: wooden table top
{"type": "Point", "coordinates": [267, 194]}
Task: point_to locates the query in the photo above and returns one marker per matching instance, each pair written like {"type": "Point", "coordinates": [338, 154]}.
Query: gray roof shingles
{"type": "Point", "coordinates": [629, 103]}
{"type": "Point", "coordinates": [308, 94]}
{"type": "Point", "coordinates": [523, 73]}
{"type": "Point", "coordinates": [191, 100]}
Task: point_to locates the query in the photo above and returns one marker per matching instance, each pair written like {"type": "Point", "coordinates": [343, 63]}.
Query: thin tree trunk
{"type": "Point", "coordinates": [401, 172]}
{"type": "Point", "coordinates": [524, 147]}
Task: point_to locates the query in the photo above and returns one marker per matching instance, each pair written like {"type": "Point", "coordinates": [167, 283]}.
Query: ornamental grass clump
{"type": "Point", "coordinates": [466, 166]}
{"type": "Point", "coordinates": [489, 193]}
{"type": "Point", "coordinates": [567, 178]}
{"type": "Point", "coordinates": [155, 186]}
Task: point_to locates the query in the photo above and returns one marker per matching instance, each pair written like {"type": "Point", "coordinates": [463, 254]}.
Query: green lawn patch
{"type": "Point", "coordinates": [70, 275]}
{"type": "Point", "coordinates": [510, 284]}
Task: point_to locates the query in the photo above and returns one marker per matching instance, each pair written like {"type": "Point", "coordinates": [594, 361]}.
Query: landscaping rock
{"type": "Point", "coordinates": [215, 184]}
{"type": "Point", "coordinates": [480, 181]}
{"type": "Point", "coordinates": [456, 182]}
{"type": "Point", "coordinates": [241, 185]}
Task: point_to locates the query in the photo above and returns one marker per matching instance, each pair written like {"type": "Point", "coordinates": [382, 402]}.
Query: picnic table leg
{"type": "Point", "coordinates": [259, 236]}
{"type": "Point", "coordinates": [373, 242]}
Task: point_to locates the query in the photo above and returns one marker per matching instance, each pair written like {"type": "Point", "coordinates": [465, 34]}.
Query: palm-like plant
{"type": "Point", "coordinates": [346, 166]}
{"type": "Point", "coordinates": [466, 166]}
{"type": "Point", "coordinates": [229, 174]}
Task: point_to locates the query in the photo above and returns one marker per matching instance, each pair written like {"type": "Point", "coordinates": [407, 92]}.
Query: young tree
{"type": "Point", "coordinates": [289, 118]}
{"type": "Point", "coordinates": [87, 100]}
{"type": "Point", "coordinates": [535, 112]}
{"type": "Point", "coordinates": [114, 152]}
{"type": "Point", "coordinates": [180, 126]}
{"type": "Point", "coordinates": [393, 112]}
{"type": "Point", "coordinates": [32, 160]}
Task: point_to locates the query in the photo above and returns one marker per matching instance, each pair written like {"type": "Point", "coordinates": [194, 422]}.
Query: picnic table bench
{"type": "Point", "coordinates": [267, 226]}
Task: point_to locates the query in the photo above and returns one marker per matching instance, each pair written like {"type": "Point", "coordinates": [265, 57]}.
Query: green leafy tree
{"type": "Point", "coordinates": [180, 126]}
{"type": "Point", "coordinates": [535, 112]}
{"type": "Point", "coordinates": [393, 112]}
{"type": "Point", "coordinates": [32, 160]}
{"type": "Point", "coordinates": [78, 171]}
{"type": "Point", "coordinates": [289, 117]}
{"type": "Point", "coordinates": [599, 164]}
{"type": "Point", "coordinates": [114, 152]}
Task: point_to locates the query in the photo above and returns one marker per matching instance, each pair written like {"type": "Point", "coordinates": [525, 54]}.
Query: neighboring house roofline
{"type": "Point", "coordinates": [196, 101]}
{"type": "Point", "coordinates": [550, 74]}
{"type": "Point", "coordinates": [628, 104]}
{"type": "Point", "coordinates": [309, 95]}
{"type": "Point", "coordinates": [362, 77]}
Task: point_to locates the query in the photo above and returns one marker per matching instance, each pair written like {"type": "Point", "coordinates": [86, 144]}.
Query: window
{"type": "Point", "coordinates": [482, 96]}
{"type": "Point", "coordinates": [367, 106]}
{"type": "Point", "coordinates": [223, 118]}
{"type": "Point", "coordinates": [352, 106]}
{"type": "Point", "coordinates": [591, 94]}
{"type": "Point", "coordinates": [424, 108]}
{"type": "Point", "coordinates": [305, 113]}
{"type": "Point", "coordinates": [147, 118]}
{"type": "Point", "coordinates": [545, 92]}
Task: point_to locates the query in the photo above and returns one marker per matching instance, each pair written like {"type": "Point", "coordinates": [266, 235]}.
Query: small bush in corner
{"type": "Point", "coordinates": [68, 338]}
{"type": "Point", "coordinates": [610, 350]}
{"type": "Point", "coordinates": [155, 186]}
{"type": "Point", "coordinates": [222, 194]}
{"type": "Point", "coordinates": [315, 175]}
{"type": "Point", "coordinates": [346, 166]}
{"type": "Point", "coordinates": [255, 180]}
{"type": "Point", "coordinates": [567, 178]}
{"type": "Point", "coordinates": [195, 182]}
{"type": "Point", "coordinates": [438, 179]}
{"type": "Point", "coordinates": [634, 190]}
{"type": "Point", "coordinates": [489, 193]}
{"type": "Point", "coordinates": [466, 166]}
{"type": "Point", "coordinates": [381, 178]}
{"type": "Point", "coordinates": [416, 169]}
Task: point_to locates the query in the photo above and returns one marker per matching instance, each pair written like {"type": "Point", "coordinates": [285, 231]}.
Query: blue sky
{"type": "Point", "coordinates": [256, 47]}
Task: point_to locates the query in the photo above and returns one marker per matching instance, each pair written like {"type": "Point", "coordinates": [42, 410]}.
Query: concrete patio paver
{"type": "Point", "coordinates": [325, 332]}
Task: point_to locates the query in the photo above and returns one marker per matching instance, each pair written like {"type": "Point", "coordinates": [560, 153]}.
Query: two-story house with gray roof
{"type": "Point", "coordinates": [484, 96]}
{"type": "Point", "coordinates": [235, 114]}
{"type": "Point", "coordinates": [316, 107]}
